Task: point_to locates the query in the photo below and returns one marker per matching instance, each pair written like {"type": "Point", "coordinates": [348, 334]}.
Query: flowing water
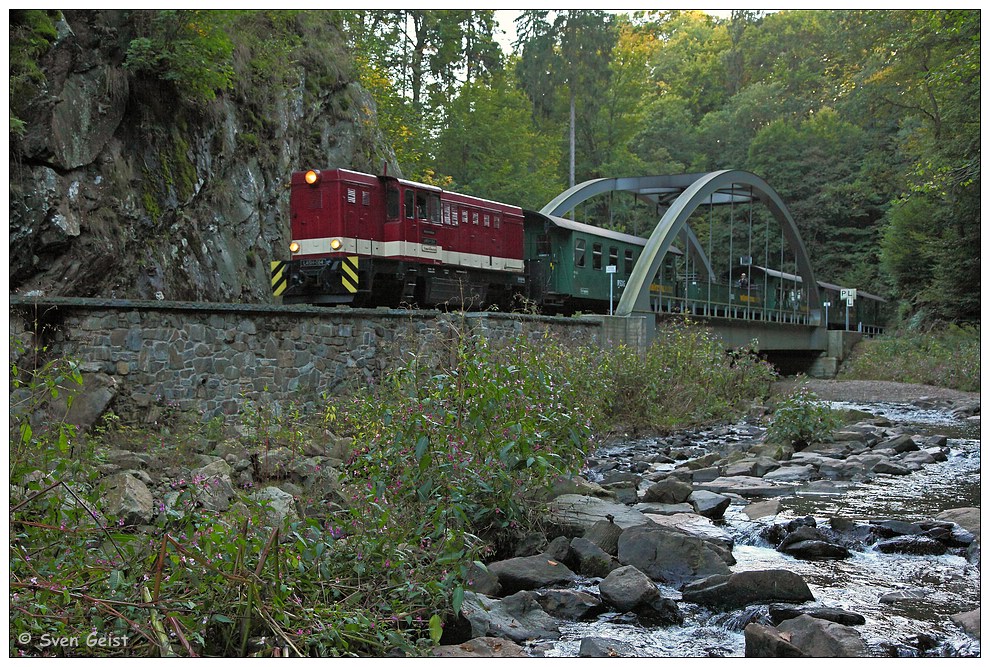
{"type": "Point", "coordinates": [950, 583]}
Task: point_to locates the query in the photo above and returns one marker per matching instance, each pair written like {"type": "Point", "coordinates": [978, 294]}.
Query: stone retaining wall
{"type": "Point", "coordinates": [207, 359]}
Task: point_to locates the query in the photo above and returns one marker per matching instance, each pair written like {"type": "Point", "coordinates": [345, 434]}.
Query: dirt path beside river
{"type": "Point", "coordinates": [872, 390]}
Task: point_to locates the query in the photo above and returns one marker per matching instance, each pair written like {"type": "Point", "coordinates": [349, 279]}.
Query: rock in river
{"type": "Point", "coordinates": [737, 590]}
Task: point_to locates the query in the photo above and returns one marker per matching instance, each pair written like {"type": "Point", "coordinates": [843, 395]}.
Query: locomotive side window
{"type": "Point", "coordinates": [613, 256]}
{"type": "Point", "coordinates": [446, 214]}
{"type": "Point", "coordinates": [629, 261]}
{"type": "Point", "coordinates": [498, 222]}
{"type": "Point", "coordinates": [474, 217]}
{"type": "Point", "coordinates": [435, 208]}
{"type": "Point", "coordinates": [579, 252]}
{"type": "Point", "coordinates": [488, 220]}
{"type": "Point", "coordinates": [392, 202]}
{"type": "Point", "coordinates": [596, 256]}
{"type": "Point", "coordinates": [351, 196]}
{"type": "Point", "coordinates": [410, 204]}
{"type": "Point", "coordinates": [464, 217]}
{"type": "Point", "coordinates": [365, 198]}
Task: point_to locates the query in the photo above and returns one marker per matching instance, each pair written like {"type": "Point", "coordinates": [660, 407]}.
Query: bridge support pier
{"type": "Point", "coordinates": [840, 344]}
{"type": "Point", "coordinates": [635, 331]}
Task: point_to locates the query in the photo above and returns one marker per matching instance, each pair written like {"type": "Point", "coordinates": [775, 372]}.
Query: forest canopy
{"type": "Point", "coordinates": [866, 122]}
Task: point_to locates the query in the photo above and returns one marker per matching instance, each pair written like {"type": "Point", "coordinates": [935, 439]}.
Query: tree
{"type": "Point", "coordinates": [491, 148]}
{"type": "Point", "coordinates": [572, 52]}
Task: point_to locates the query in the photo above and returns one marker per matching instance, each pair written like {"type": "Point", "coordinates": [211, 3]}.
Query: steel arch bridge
{"type": "Point", "coordinates": [682, 194]}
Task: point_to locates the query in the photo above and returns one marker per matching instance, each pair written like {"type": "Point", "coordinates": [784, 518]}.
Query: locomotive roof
{"type": "Point", "coordinates": [599, 231]}
{"type": "Point", "coordinates": [773, 273]}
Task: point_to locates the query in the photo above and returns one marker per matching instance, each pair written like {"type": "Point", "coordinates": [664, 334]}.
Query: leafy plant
{"type": "Point", "coordinates": [188, 47]}
{"type": "Point", "coordinates": [801, 419]}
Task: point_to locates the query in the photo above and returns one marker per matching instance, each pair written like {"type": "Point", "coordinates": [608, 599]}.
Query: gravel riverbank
{"type": "Point", "coordinates": [872, 390]}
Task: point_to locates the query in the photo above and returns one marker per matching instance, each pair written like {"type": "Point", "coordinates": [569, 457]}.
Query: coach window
{"type": "Point", "coordinates": [579, 253]}
{"type": "Point", "coordinates": [596, 257]}
{"type": "Point", "coordinates": [629, 261]}
{"type": "Point", "coordinates": [392, 202]}
{"type": "Point", "coordinates": [435, 209]}
{"type": "Point", "coordinates": [613, 256]}
{"type": "Point", "coordinates": [410, 204]}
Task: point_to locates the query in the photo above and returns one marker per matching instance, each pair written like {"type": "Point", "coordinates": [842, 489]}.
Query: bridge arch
{"type": "Point", "coordinates": [684, 193]}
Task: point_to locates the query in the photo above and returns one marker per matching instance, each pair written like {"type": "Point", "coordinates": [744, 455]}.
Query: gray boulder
{"type": "Point", "coordinates": [708, 504]}
{"type": "Point", "coordinates": [809, 543]}
{"type": "Point", "coordinates": [626, 588]}
{"type": "Point", "coordinates": [735, 591]}
{"type": "Point", "coordinates": [591, 560]}
{"type": "Point", "coordinates": [668, 491]}
{"type": "Point", "coordinates": [481, 580]}
{"type": "Point", "coordinates": [818, 638]}
{"type": "Point", "coordinates": [779, 613]}
{"type": "Point", "coordinates": [602, 647]}
{"type": "Point", "coordinates": [917, 545]}
{"type": "Point", "coordinates": [530, 572]}
{"type": "Point", "coordinates": [128, 500]}
{"type": "Point", "coordinates": [667, 554]}
{"type": "Point", "coordinates": [482, 647]}
{"type": "Point", "coordinates": [575, 514]}
{"type": "Point", "coordinates": [569, 604]}
{"type": "Point", "coordinates": [763, 641]}
{"type": "Point", "coordinates": [518, 617]}
{"type": "Point", "coordinates": [606, 535]}
{"type": "Point", "coordinates": [279, 506]}
{"type": "Point", "coordinates": [969, 621]}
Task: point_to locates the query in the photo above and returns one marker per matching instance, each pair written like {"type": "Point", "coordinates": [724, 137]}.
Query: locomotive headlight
{"type": "Point", "coordinates": [293, 247]}
{"type": "Point", "coordinates": [335, 244]}
{"type": "Point", "coordinates": [313, 176]}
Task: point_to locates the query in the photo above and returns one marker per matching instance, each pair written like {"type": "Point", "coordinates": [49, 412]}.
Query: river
{"type": "Point", "coordinates": [950, 583]}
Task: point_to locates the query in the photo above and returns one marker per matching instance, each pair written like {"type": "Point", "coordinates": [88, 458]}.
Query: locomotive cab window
{"type": "Point", "coordinates": [421, 208]}
{"type": "Point", "coordinates": [392, 202]}
{"type": "Point", "coordinates": [435, 208]}
{"type": "Point", "coordinates": [579, 248]}
{"type": "Point", "coordinates": [596, 256]}
{"type": "Point", "coordinates": [410, 204]}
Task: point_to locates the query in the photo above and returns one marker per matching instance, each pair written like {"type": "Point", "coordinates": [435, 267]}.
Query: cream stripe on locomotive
{"type": "Point", "coordinates": [392, 249]}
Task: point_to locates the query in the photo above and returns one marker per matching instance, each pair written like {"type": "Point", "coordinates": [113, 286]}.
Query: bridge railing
{"type": "Point", "coordinates": [754, 302]}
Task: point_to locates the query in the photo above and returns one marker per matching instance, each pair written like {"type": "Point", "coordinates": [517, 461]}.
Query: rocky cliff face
{"type": "Point", "coordinates": [121, 188]}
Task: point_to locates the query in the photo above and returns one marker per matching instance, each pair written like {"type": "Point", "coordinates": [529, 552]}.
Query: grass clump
{"type": "Point", "coordinates": [947, 358]}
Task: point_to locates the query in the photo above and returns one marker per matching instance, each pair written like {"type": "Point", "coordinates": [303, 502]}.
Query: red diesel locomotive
{"type": "Point", "coordinates": [369, 240]}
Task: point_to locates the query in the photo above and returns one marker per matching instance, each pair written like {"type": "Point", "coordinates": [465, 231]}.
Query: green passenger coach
{"type": "Point", "coordinates": [567, 261]}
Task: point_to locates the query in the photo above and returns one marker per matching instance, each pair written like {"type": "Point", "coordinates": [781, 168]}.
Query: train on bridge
{"type": "Point", "coordinates": [365, 240]}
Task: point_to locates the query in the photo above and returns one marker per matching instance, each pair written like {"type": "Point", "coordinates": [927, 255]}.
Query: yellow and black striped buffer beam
{"type": "Point", "coordinates": [280, 275]}
{"type": "Point", "coordinates": [349, 274]}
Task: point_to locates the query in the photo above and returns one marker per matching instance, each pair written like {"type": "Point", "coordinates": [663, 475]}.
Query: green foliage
{"type": "Point", "coordinates": [490, 147]}
{"type": "Point", "coordinates": [801, 419]}
{"type": "Point", "coordinates": [684, 378]}
{"type": "Point", "coordinates": [30, 35]}
{"type": "Point", "coordinates": [41, 393]}
{"type": "Point", "coordinates": [189, 48]}
{"type": "Point", "coordinates": [464, 449]}
{"type": "Point", "coordinates": [948, 357]}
